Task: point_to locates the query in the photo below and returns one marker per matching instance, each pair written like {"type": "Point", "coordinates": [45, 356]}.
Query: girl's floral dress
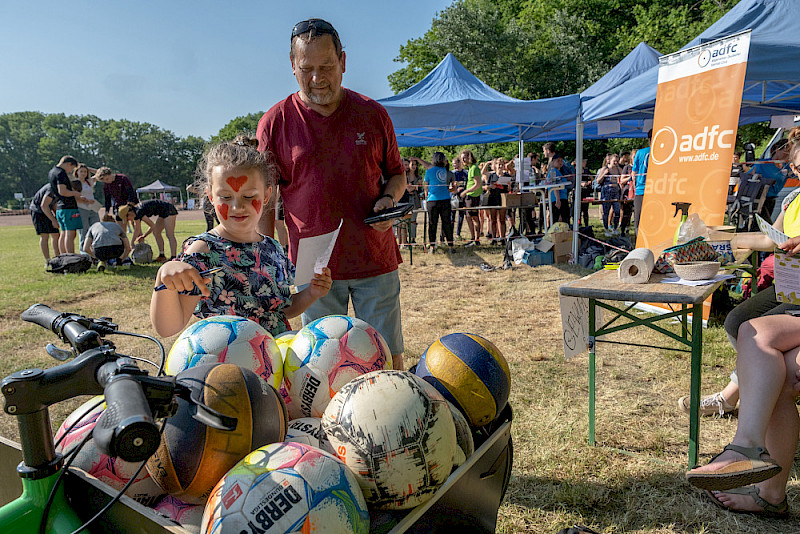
{"type": "Point", "coordinates": [255, 280]}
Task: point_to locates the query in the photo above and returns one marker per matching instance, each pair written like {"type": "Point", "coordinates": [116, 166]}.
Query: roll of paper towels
{"type": "Point", "coordinates": [637, 266]}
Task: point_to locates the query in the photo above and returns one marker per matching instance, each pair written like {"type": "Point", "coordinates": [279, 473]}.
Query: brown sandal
{"type": "Point", "coordinates": [772, 511]}
{"type": "Point", "coordinates": [737, 474]}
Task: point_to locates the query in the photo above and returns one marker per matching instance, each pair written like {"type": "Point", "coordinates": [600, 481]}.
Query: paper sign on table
{"type": "Point", "coordinates": [777, 236]}
{"type": "Point", "coordinates": [313, 253]}
{"type": "Point", "coordinates": [787, 278]}
{"type": "Point", "coordinates": [575, 324]}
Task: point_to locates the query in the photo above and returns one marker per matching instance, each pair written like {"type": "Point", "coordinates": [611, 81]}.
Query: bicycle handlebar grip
{"type": "Point", "coordinates": [42, 315]}
{"type": "Point", "coordinates": [126, 429]}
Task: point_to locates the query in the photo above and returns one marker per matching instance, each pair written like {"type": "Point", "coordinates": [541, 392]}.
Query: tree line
{"type": "Point", "coordinates": [32, 142]}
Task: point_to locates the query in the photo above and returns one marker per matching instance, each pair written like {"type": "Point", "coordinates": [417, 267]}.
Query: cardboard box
{"type": "Point", "coordinates": [561, 237]}
{"type": "Point", "coordinates": [562, 251]}
{"type": "Point", "coordinates": [513, 200]}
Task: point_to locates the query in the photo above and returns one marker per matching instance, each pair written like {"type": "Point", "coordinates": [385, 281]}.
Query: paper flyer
{"type": "Point", "coordinates": [787, 278]}
{"type": "Point", "coordinates": [313, 253]}
{"type": "Point", "coordinates": [777, 236]}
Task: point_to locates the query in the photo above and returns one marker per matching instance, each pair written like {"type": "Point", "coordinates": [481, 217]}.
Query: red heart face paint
{"type": "Point", "coordinates": [236, 182]}
{"type": "Point", "coordinates": [222, 211]}
{"type": "Point", "coordinates": [257, 205]}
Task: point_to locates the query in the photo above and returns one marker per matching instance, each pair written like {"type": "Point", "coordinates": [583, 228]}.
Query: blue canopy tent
{"type": "Point", "coordinates": [450, 106]}
{"type": "Point", "coordinates": [640, 60]}
{"type": "Point", "coordinates": [772, 81]}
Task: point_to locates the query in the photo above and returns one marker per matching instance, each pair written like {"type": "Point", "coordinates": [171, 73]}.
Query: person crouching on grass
{"type": "Point", "coordinates": [256, 274]}
{"type": "Point", "coordinates": [108, 243]}
{"type": "Point", "coordinates": [166, 215]}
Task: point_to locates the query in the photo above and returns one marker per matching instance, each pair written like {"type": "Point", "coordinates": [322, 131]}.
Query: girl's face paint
{"type": "Point", "coordinates": [257, 205]}
{"type": "Point", "coordinates": [222, 211]}
{"type": "Point", "coordinates": [236, 182]}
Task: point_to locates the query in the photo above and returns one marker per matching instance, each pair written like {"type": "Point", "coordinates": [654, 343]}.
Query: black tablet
{"type": "Point", "coordinates": [390, 213]}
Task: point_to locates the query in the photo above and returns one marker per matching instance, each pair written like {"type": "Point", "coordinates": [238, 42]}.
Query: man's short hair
{"type": "Point", "coordinates": [311, 29]}
{"type": "Point", "coordinates": [68, 159]}
{"type": "Point", "coordinates": [550, 147]}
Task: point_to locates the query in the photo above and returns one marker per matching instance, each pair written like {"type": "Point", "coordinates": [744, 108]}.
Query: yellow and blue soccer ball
{"type": "Point", "coordinates": [287, 487]}
{"type": "Point", "coordinates": [227, 339]}
{"type": "Point", "coordinates": [470, 372]}
{"type": "Point", "coordinates": [325, 355]}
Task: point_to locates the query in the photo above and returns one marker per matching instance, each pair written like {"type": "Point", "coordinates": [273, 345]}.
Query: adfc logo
{"type": "Point", "coordinates": [663, 145]}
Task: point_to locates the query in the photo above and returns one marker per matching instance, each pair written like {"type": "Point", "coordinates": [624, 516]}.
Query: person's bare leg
{"type": "Point", "coordinates": [158, 229]}
{"type": "Point", "coordinates": [44, 245]}
{"type": "Point", "coordinates": [762, 373]}
{"type": "Point", "coordinates": [731, 393]}
{"type": "Point", "coordinates": [169, 229]}
{"type": "Point", "coordinates": [781, 442]}
{"type": "Point", "coordinates": [56, 246]}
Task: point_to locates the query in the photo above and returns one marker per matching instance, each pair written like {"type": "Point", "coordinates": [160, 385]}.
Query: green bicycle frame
{"type": "Point", "coordinates": [24, 514]}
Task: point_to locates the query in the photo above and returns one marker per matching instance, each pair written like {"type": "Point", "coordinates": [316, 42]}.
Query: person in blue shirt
{"type": "Point", "coordinates": [438, 180]}
{"type": "Point", "coordinates": [776, 169]}
{"type": "Point", "coordinates": [639, 177]}
{"type": "Point", "coordinates": [559, 197]}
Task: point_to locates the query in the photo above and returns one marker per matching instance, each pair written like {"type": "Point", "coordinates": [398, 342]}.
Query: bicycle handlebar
{"type": "Point", "coordinates": [126, 428]}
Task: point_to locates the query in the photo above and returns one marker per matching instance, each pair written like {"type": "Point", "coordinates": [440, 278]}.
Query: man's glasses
{"type": "Point", "coordinates": [315, 26]}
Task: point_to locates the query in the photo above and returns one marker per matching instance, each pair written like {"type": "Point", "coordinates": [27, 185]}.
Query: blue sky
{"type": "Point", "coordinates": [187, 67]}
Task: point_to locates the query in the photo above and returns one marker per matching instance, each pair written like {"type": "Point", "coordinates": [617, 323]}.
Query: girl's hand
{"type": "Point", "coordinates": [792, 246]}
{"type": "Point", "coordinates": [321, 283]}
{"type": "Point", "coordinates": [180, 276]}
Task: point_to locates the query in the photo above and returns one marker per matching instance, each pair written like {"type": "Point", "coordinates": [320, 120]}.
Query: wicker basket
{"type": "Point", "coordinates": [697, 270]}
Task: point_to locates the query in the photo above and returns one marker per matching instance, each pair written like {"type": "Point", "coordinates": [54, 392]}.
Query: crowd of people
{"type": "Point", "coordinates": [466, 189]}
{"type": "Point", "coordinates": [65, 208]}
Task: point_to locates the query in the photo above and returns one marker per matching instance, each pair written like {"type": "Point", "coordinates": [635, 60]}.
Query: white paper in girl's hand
{"type": "Point", "coordinates": [313, 253]}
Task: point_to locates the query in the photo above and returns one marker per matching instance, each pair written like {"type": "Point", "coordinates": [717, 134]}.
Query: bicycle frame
{"type": "Point", "coordinates": [24, 514]}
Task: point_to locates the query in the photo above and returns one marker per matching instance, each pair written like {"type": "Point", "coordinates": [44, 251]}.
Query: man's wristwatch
{"type": "Point", "coordinates": [387, 195]}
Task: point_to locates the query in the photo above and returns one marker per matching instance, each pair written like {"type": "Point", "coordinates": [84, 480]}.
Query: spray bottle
{"type": "Point", "coordinates": [683, 207]}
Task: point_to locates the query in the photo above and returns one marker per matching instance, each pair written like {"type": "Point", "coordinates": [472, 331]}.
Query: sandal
{"type": "Point", "coordinates": [769, 510]}
{"type": "Point", "coordinates": [737, 474]}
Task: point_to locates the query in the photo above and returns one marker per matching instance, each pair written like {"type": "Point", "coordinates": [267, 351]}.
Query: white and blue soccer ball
{"type": "Point", "coordinates": [325, 355]}
{"type": "Point", "coordinates": [287, 487]}
{"type": "Point", "coordinates": [227, 339]}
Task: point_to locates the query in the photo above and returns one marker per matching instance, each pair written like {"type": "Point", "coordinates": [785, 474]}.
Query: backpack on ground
{"type": "Point", "coordinates": [69, 263]}
{"type": "Point", "coordinates": [142, 253]}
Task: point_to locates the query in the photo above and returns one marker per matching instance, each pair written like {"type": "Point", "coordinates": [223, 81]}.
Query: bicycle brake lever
{"type": "Point", "coordinates": [205, 414]}
{"type": "Point", "coordinates": [58, 354]}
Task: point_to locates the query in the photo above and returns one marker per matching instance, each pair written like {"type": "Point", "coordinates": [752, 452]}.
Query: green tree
{"type": "Point", "coordinates": [240, 125]}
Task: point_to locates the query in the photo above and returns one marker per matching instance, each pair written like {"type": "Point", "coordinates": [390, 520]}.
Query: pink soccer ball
{"type": "Point", "coordinates": [325, 355]}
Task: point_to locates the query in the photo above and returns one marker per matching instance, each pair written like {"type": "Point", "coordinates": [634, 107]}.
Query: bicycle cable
{"type": "Point", "coordinates": [64, 469]}
{"type": "Point", "coordinates": [119, 494]}
{"type": "Point", "coordinates": [161, 349]}
{"type": "Point", "coordinates": [73, 425]}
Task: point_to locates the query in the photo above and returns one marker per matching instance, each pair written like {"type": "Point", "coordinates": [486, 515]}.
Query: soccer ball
{"type": "Point", "coordinates": [309, 431]}
{"type": "Point", "coordinates": [227, 339]}
{"type": "Point", "coordinates": [396, 433]}
{"type": "Point", "coordinates": [287, 487]}
{"type": "Point", "coordinates": [283, 341]}
{"type": "Point", "coordinates": [109, 470]}
{"type": "Point", "coordinates": [186, 515]}
{"type": "Point", "coordinates": [325, 355]}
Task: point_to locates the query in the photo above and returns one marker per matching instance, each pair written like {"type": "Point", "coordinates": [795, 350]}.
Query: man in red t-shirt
{"type": "Point", "coordinates": [338, 160]}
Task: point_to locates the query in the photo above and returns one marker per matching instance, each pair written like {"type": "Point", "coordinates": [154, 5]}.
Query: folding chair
{"type": "Point", "coordinates": [749, 200]}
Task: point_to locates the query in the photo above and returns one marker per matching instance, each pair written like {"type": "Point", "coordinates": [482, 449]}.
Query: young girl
{"type": "Point", "coordinates": [256, 275]}
{"type": "Point", "coordinates": [88, 207]}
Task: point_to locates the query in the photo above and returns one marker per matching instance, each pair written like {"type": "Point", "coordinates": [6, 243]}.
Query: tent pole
{"type": "Point", "coordinates": [576, 216]}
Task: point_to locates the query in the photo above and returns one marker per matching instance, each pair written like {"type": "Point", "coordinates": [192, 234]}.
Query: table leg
{"type": "Point", "coordinates": [591, 370]}
{"type": "Point", "coordinates": [694, 387]}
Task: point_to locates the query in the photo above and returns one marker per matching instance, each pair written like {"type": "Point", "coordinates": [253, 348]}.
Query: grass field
{"type": "Point", "coordinates": [557, 478]}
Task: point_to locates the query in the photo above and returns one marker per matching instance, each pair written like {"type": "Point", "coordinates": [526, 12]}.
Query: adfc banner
{"type": "Point", "coordinates": [694, 133]}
